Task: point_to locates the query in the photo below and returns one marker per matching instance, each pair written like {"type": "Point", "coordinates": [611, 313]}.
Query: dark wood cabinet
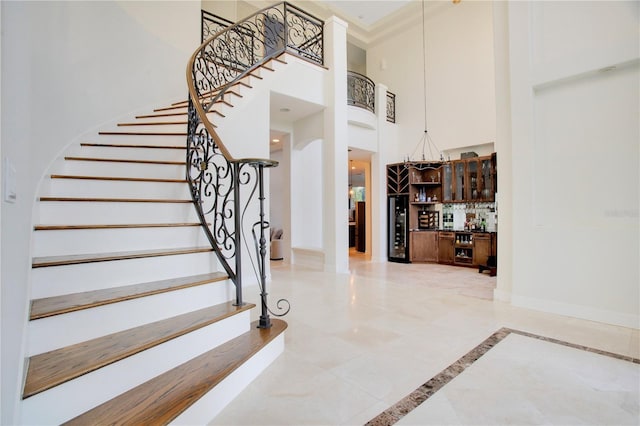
{"type": "Point", "coordinates": [447, 182]}
{"type": "Point", "coordinates": [414, 189]}
{"type": "Point", "coordinates": [424, 246]}
{"type": "Point", "coordinates": [481, 248]}
{"type": "Point", "coordinates": [445, 247]}
{"type": "Point", "coordinates": [465, 248]}
{"type": "Point", "coordinates": [470, 180]}
{"type": "Point", "coordinates": [425, 191]}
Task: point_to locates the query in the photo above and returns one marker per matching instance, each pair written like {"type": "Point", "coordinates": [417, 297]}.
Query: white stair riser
{"type": "Point", "coordinates": [162, 119]}
{"type": "Point", "coordinates": [204, 410]}
{"type": "Point", "coordinates": [164, 128]}
{"type": "Point", "coordinates": [80, 241]}
{"type": "Point", "coordinates": [167, 140]}
{"type": "Point", "coordinates": [72, 398]}
{"type": "Point", "coordinates": [59, 280]}
{"type": "Point", "coordinates": [117, 189]}
{"type": "Point", "coordinates": [155, 154]}
{"type": "Point", "coordinates": [45, 335]}
{"type": "Point", "coordinates": [120, 169]}
{"type": "Point", "coordinates": [85, 212]}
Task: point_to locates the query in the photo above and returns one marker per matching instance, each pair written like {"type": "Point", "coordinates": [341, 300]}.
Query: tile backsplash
{"type": "Point", "coordinates": [454, 215]}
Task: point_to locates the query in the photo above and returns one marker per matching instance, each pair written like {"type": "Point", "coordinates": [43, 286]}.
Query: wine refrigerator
{"type": "Point", "coordinates": [398, 228]}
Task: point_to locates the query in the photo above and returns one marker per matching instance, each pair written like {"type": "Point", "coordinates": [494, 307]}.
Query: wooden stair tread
{"type": "Point", "coordinates": [152, 123]}
{"type": "Point", "coordinates": [122, 145]}
{"type": "Point", "coordinates": [75, 259]}
{"type": "Point", "coordinates": [166, 396]}
{"type": "Point", "coordinates": [173, 114]}
{"type": "Point", "coordinates": [112, 226]}
{"type": "Point", "coordinates": [170, 108]}
{"type": "Point", "coordinates": [114, 200]}
{"type": "Point", "coordinates": [116, 133]}
{"type": "Point", "coordinates": [168, 114]}
{"type": "Point", "coordinates": [124, 160]}
{"type": "Point", "coordinates": [50, 306]}
{"type": "Point", "coordinates": [61, 365]}
{"type": "Point", "coordinates": [122, 178]}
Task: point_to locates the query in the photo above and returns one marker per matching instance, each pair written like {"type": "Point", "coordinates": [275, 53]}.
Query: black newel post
{"type": "Point", "coordinates": [237, 233]}
{"type": "Point", "coordinates": [265, 321]}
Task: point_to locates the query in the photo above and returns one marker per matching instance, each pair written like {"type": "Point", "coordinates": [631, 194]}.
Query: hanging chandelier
{"type": "Point", "coordinates": [430, 156]}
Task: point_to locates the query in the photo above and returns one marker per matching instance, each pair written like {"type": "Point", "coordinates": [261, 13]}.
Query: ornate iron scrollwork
{"type": "Point", "coordinates": [217, 180]}
{"type": "Point", "coordinates": [391, 107]}
{"type": "Point", "coordinates": [361, 91]}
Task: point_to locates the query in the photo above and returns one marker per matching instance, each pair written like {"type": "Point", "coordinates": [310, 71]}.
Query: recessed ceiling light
{"type": "Point", "coordinates": [275, 140]}
{"type": "Point", "coordinates": [284, 110]}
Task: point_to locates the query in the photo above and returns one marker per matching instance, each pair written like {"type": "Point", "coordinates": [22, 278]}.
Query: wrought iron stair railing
{"type": "Point", "coordinates": [223, 187]}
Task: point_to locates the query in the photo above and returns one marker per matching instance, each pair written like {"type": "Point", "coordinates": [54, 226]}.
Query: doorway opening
{"type": "Point", "coordinates": [359, 209]}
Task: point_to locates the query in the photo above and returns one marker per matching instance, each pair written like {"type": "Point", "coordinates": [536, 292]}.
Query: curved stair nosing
{"type": "Point", "coordinates": [124, 160]}
{"type": "Point", "coordinates": [47, 261]}
{"type": "Point", "coordinates": [117, 178]}
{"type": "Point", "coordinates": [116, 133]}
{"type": "Point", "coordinates": [57, 305]}
{"type": "Point", "coordinates": [163, 398]}
{"type": "Point", "coordinates": [50, 369]}
{"type": "Point", "coordinates": [174, 114]}
{"type": "Point", "coordinates": [114, 200]}
{"type": "Point", "coordinates": [115, 145]}
{"type": "Point", "coordinates": [153, 123]}
{"type": "Point", "coordinates": [112, 226]}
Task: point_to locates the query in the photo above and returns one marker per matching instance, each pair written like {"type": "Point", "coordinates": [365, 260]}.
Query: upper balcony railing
{"type": "Point", "coordinates": [391, 107]}
{"type": "Point", "coordinates": [361, 92]}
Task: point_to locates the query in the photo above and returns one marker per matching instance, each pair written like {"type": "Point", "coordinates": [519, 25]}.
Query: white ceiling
{"type": "Point", "coordinates": [364, 11]}
{"type": "Point", "coordinates": [372, 18]}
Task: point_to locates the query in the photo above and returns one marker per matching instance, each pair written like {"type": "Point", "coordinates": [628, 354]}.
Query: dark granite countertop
{"type": "Point", "coordinates": [475, 231]}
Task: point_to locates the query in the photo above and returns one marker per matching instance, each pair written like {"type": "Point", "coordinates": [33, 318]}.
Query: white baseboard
{"type": "Point", "coordinates": [578, 311]}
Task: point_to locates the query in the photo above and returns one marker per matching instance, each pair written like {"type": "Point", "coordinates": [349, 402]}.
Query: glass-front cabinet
{"type": "Point", "coordinates": [447, 183]}
{"type": "Point", "coordinates": [473, 180]}
{"type": "Point", "coordinates": [487, 174]}
{"type": "Point", "coordinates": [459, 187]}
{"type": "Point", "coordinates": [473, 190]}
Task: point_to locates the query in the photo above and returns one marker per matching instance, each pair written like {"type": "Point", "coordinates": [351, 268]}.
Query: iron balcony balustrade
{"type": "Point", "coordinates": [361, 92]}
{"type": "Point", "coordinates": [391, 107]}
{"type": "Point", "coordinates": [227, 192]}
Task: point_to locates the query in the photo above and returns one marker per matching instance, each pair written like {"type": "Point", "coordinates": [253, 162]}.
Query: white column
{"type": "Point", "coordinates": [503, 150]}
{"type": "Point", "coordinates": [378, 193]}
{"type": "Point", "coordinates": [334, 149]}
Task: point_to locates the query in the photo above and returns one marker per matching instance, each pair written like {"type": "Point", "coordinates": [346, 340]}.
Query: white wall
{"type": "Point", "coordinates": [278, 182]}
{"type": "Point", "coordinates": [460, 77]}
{"type": "Point", "coordinates": [66, 68]}
{"type": "Point", "coordinates": [307, 195]}
{"type": "Point", "coordinates": [576, 180]}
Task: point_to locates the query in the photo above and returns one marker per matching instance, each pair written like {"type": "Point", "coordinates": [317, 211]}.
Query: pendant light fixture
{"type": "Point", "coordinates": [430, 151]}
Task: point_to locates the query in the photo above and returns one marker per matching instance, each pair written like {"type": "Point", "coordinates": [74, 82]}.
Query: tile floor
{"type": "Point", "coordinates": [358, 343]}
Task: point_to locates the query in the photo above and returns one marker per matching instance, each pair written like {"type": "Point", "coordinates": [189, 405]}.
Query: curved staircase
{"type": "Point", "coordinates": [131, 320]}
{"type": "Point", "coordinates": [136, 312]}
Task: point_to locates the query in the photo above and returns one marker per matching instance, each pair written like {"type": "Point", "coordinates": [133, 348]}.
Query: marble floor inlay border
{"type": "Point", "coordinates": [433, 385]}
